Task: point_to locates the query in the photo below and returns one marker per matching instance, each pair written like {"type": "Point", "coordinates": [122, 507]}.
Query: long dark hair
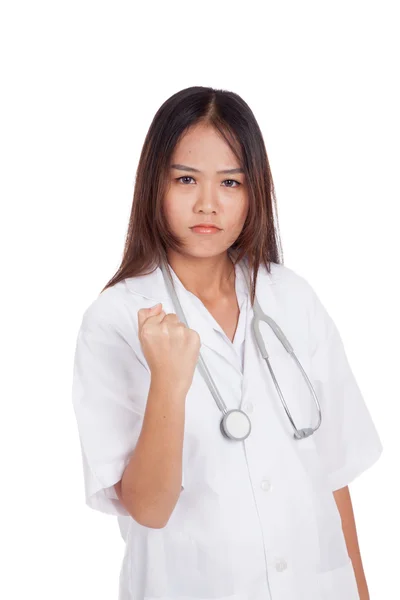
{"type": "Point", "coordinates": [148, 235]}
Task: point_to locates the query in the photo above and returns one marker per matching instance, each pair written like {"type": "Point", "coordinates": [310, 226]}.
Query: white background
{"type": "Point", "coordinates": [81, 82]}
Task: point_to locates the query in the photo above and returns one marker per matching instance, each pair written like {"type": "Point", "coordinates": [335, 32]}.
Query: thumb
{"type": "Point", "coordinates": [145, 313]}
{"type": "Point", "coordinates": [154, 309]}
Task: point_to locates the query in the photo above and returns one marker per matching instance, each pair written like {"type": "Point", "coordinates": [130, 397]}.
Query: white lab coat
{"type": "Point", "coordinates": [256, 519]}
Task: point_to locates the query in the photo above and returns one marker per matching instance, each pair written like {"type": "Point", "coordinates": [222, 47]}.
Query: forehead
{"type": "Point", "coordinates": [203, 144]}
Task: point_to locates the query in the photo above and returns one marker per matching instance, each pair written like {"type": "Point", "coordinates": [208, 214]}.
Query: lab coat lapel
{"type": "Point", "coordinates": [152, 287]}
{"type": "Point", "coordinates": [210, 336]}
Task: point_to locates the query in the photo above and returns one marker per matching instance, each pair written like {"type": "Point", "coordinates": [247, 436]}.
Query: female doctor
{"type": "Point", "coordinates": [224, 451]}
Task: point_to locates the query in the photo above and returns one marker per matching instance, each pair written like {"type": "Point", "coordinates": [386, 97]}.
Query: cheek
{"type": "Point", "coordinates": [175, 212]}
{"type": "Point", "coordinates": [236, 214]}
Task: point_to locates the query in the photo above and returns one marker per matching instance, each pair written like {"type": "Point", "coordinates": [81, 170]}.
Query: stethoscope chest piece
{"type": "Point", "coordinates": [235, 425]}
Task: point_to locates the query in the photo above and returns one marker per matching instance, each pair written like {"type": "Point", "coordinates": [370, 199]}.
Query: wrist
{"type": "Point", "coordinates": [160, 383]}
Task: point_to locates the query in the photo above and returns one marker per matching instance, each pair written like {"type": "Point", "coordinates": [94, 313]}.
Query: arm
{"type": "Point", "coordinates": [344, 504]}
{"type": "Point", "coordinates": [151, 483]}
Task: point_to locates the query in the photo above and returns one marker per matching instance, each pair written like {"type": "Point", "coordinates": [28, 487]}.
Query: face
{"type": "Point", "coordinates": [204, 195]}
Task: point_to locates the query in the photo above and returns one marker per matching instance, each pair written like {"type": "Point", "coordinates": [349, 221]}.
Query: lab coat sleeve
{"type": "Point", "coordinates": [347, 439]}
{"type": "Point", "coordinates": [109, 385]}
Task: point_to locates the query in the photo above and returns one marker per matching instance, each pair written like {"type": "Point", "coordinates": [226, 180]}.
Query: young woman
{"type": "Point", "coordinates": [229, 480]}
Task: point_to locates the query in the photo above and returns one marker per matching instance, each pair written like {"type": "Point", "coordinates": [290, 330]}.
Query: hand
{"type": "Point", "coordinates": [169, 346]}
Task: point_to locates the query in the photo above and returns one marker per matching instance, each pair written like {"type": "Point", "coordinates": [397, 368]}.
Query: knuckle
{"type": "Point", "coordinates": [164, 328]}
{"type": "Point", "coordinates": [145, 330]}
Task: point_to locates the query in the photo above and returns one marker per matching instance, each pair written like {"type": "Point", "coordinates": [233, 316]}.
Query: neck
{"type": "Point", "coordinates": [210, 278]}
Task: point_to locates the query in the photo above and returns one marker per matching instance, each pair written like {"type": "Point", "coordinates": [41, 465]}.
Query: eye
{"type": "Point", "coordinates": [229, 180]}
{"type": "Point", "coordinates": [184, 177]}
{"type": "Point", "coordinates": [233, 181]}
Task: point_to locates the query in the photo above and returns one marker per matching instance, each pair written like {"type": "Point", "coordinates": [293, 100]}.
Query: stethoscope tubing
{"type": "Point", "coordinates": [259, 316]}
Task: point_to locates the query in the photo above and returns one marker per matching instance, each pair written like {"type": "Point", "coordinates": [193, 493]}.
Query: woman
{"type": "Point", "coordinates": [209, 507]}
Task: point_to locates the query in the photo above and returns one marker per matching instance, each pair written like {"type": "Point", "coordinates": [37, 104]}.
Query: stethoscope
{"type": "Point", "coordinates": [235, 424]}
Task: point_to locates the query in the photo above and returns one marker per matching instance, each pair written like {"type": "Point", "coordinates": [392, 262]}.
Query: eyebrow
{"type": "Point", "coordinates": [186, 168]}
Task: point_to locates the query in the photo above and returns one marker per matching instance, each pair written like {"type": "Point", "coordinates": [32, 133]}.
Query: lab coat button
{"type": "Point", "coordinates": [281, 564]}
{"type": "Point", "coordinates": [249, 407]}
{"type": "Point", "coordinates": [265, 485]}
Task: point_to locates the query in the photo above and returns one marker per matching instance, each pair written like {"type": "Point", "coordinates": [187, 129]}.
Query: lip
{"type": "Point", "coordinates": [205, 229]}
{"type": "Point", "coordinates": [206, 225]}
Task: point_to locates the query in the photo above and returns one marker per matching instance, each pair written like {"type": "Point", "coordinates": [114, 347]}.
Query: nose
{"type": "Point", "coordinates": [207, 201]}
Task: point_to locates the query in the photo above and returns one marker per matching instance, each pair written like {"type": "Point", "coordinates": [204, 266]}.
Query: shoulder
{"type": "Point", "coordinates": [110, 313]}
{"type": "Point", "coordinates": [107, 306]}
{"type": "Point", "coordinates": [287, 280]}
{"type": "Point", "coordinates": [296, 293]}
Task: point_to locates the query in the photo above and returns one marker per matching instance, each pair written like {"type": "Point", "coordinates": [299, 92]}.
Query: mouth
{"type": "Point", "coordinates": [205, 229]}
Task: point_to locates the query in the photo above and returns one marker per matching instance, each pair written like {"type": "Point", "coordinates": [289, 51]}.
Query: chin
{"type": "Point", "coordinates": [205, 252]}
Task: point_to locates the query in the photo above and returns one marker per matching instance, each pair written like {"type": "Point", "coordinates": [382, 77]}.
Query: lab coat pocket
{"type": "Point", "coordinates": [338, 583]}
{"type": "Point", "coordinates": [190, 567]}
{"type": "Point", "coordinates": [332, 549]}
{"type": "Point", "coordinates": [193, 553]}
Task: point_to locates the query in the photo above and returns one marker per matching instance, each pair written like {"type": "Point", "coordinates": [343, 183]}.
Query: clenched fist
{"type": "Point", "coordinates": [169, 346]}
